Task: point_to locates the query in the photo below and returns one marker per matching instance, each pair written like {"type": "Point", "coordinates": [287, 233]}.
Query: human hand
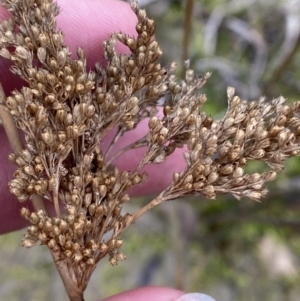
{"type": "Point", "coordinates": [86, 24]}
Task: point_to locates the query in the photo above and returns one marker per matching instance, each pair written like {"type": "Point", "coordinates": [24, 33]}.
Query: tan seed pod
{"type": "Point", "coordinates": [68, 120]}
{"type": "Point", "coordinates": [25, 213]}
{"type": "Point", "coordinates": [120, 256]}
{"type": "Point", "coordinates": [60, 115]}
{"type": "Point", "coordinates": [103, 248]}
{"type": "Point", "coordinates": [91, 261]}
{"type": "Point", "coordinates": [68, 245]}
{"type": "Point", "coordinates": [28, 169]}
{"type": "Point", "coordinates": [226, 169]}
{"type": "Point", "coordinates": [62, 240]}
{"type": "Point", "coordinates": [87, 199]}
{"type": "Point", "coordinates": [26, 155]}
{"type": "Point", "coordinates": [234, 153]}
{"type": "Point", "coordinates": [254, 195]}
{"type": "Point", "coordinates": [87, 252]}
{"type": "Point", "coordinates": [34, 219]}
{"type": "Point", "coordinates": [239, 171]}
{"type": "Point", "coordinates": [50, 99]}
{"type": "Point", "coordinates": [269, 176]}
{"type": "Point", "coordinates": [254, 177]}
{"type": "Point", "coordinates": [103, 190]}
{"type": "Point", "coordinates": [99, 210]}
{"type": "Point", "coordinates": [28, 243]}
{"type": "Point", "coordinates": [274, 130]}
{"type": "Point", "coordinates": [52, 244]}
{"type": "Point", "coordinates": [111, 243]}
{"type": "Point", "coordinates": [113, 261]}
{"type": "Point", "coordinates": [188, 179]}
{"type": "Point", "coordinates": [42, 236]}
{"type": "Point", "coordinates": [11, 103]}
{"type": "Point", "coordinates": [258, 154]}
{"type": "Point", "coordinates": [212, 178]}
{"type": "Point", "coordinates": [90, 111]}
{"type": "Point", "coordinates": [33, 230]}
{"type": "Point", "coordinates": [92, 209]}
{"type": "Point", "coordinates": [77, 257]}
{"type": "Point", "coordinates": [78, 182]}
{"type": "Point", "coordinates": [209, 192]}
{"type": "Point", "coordinates": [75, 199]}
{"type": "Point", "coordinates": [53, 64]}
{"type": "Point", "coordinates": [283, 137]}
{"type": "Point", "coordinates": [48, 226]}
{"type": "Point", "coordinates": [12, 157]}
{"type": "Point", "coordinates": [56, 231]}
{"type": "Point", "coordinates": [68, 253]}
{"type": "Point", "coordinates": [42, 54]}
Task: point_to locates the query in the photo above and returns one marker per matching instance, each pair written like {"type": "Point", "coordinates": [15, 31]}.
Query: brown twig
{"type": "Point", "coordinates": [187, 29]}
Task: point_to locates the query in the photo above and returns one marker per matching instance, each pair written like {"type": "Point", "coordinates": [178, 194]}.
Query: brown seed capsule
{"type": "Point", "coordinates": [212, 178]}
{"type": "Point", "coordinates": [75, 199]}
{"type": "Point", "coordinates": [11, 103]}
{"type": "Point", "coordinates": [87, 199]}
{"type": "Point", "coordinates": [120, 256]}
{"type": "Point", "coordinates": [125, 198]}
{"type": "Point", "coordinates": [62, 240]}
{"type": "Point", "coordinates": [78, 182]}
{"type": "Point", "coordinates": [92, 209]}
{"type": "Point", "coordinates": [209, 191]}
{"type": "Point", "coordinates": [28, 243]}
{"type": "Point", "coordinates": [52, 244]}
{"type": "Point", "coordinates": [254, 177]}
{"type": "Point", "coordinates": [113, 261]}
{"type": "Point", "coordinates": [87, 252]}
{"type": "Point", "coordinates": [56, 231]}
{"type": "Point", "coordinates": [77, 257]}
{"type": "Point", "coordinates": [68, 253]}
{"type": "Point", "coordinates": [34, 219]}
{"type": "Point", "coordinates": [99, 210]}
{"type": "Point", "coordinates": [42, 236]}
{"type": "Point", "coordinates": [269, 176]}
{"type": "Point", "coordinates": [28, 169]}
{"type": "Point", "coordinates": [103, 190]}
{"type": "Point", "coordinates": [91, 261]}
{"type": "Point", "coordinates": [103, 248]}
{"type": "Point", "coordinates": [25, 213]}
{"type": "Point", "coordinates": [48, 226]}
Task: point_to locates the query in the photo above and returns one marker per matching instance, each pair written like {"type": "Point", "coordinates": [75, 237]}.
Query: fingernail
{"type": "Point", "coordinates": [195, 297]}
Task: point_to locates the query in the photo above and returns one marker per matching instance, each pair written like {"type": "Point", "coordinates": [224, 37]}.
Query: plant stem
{"type": "Point", "coordinates": [158, 200]}
{"type": "Point", "coordinates": [187, 29]}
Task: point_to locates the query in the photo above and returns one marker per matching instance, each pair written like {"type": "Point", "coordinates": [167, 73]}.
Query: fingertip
{"type": "Point", "coordinates": [148, 294]}
{"type": "Point", "coordinates": [88, 23]}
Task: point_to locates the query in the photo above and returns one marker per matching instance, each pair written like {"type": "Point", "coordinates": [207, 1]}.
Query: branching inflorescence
{"type": "Point", "coordinates": [65, 112]}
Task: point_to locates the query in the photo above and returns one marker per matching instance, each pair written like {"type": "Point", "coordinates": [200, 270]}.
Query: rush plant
{"type": "Point", "coordinates": [65, 112]}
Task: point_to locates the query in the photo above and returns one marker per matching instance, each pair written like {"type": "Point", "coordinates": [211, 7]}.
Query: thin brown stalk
{"type": "Point", "coordinates": [187, 29]}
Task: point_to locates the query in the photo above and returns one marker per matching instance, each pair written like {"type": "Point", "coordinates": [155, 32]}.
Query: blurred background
{"type": "Point", "coordinates": [231, 250]}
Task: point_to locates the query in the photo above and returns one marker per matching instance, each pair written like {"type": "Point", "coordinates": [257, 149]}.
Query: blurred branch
{"type": "Point", "coordinates": [290, 46]}
{"type": "Point", "coordinates": [215, 20]}
{"type": "Point", "coordinates": [188, 19]}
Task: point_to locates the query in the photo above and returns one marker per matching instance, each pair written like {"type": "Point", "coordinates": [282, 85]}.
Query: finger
{"type": "Point", "coordinates": [86, 24]}
{"type": "Point", "coordinates": [148, 294]}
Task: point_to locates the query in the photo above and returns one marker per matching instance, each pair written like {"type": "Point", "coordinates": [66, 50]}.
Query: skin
{"type": "Point", "coordinates": [86, 24]}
